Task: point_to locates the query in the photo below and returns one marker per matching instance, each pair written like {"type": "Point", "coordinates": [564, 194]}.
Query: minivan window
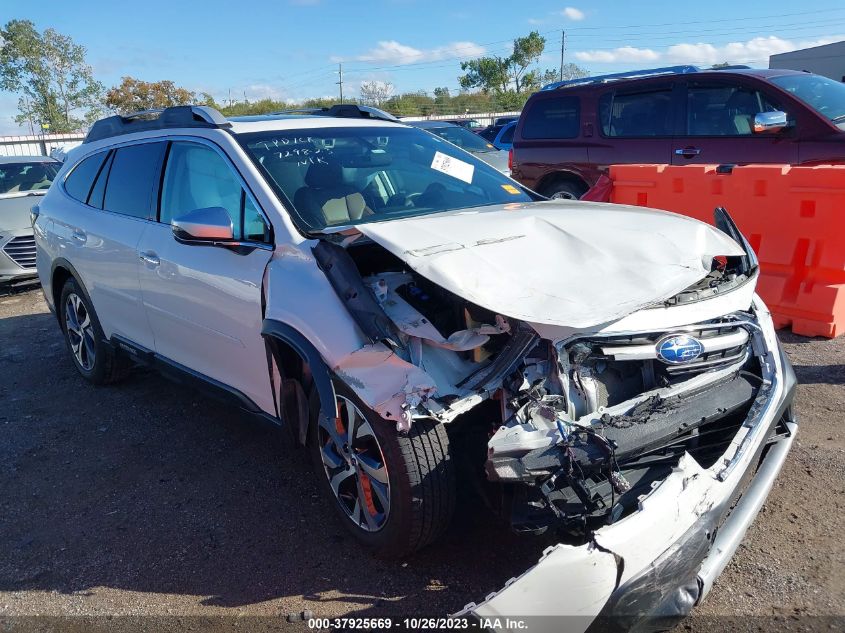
{"type": "Point", "coordinates": [78, 183]}
{"type": "Point", "coordinates": [558, 117]}
{"type": "Point", "coordinates": [636, 114]}
{"type": "Point", "coordinates": [129, 190]}
{"type": "Point", "coordinates": [723, 110]}
{"type": "Point", "coordinates": [197, 177]}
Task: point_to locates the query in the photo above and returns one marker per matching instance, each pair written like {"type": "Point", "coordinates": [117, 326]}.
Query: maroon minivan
{"type": "Point", "coordinates": [570, 132]}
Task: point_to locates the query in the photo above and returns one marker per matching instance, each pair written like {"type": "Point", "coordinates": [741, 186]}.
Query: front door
{"type": "Point", "coordinates": [719, 127]}
{"type": "Point", "coordinates": [204, 302]}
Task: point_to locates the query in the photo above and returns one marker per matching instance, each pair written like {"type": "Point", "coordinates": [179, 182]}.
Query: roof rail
{"type": "Point", "coordinates": [732, 67]}
{"type": "Point", "coordinates": [157, 119]}
{"type": "Point", "coordinates": [343, 110]}
{"type": "Point", "coordinates": [631, 74]}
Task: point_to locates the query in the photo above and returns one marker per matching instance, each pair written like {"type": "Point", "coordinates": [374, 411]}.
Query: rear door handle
{"type": "Point", "coordinates": [79, 236]}
{"type": "Point", "coordinates": [150, 258]}
{"type": "Point", "coordinates": [689, 152]}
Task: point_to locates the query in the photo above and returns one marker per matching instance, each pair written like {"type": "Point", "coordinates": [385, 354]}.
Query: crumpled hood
{"type": "Point", "coordinates": [566, 263]}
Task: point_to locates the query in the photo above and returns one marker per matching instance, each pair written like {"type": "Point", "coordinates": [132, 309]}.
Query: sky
{"type": "Point", "coordinates": [290, 49]}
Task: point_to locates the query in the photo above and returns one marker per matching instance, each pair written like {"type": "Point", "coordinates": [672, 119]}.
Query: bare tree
{"type": "Point", "coordinates": [376, 92]}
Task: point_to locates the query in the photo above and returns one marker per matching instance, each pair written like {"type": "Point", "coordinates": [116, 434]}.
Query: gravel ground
{"type": "Point", "coordinates": [146, 499]}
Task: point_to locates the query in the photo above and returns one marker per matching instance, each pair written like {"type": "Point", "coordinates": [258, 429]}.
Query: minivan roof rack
{"type": "Point", "coordinates": [157, 119]}
{"type": "Point", "coordinates": [343, 110]}
{"type": "Point", "coordinates": [631, 74]}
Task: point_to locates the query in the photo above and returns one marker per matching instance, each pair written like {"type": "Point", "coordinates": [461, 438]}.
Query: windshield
{"type": "Point", "coordinates": [26, 177]}
{"type": "Point", "coordinates": [463, 138]}
{"type": "Point", "coordinates": [824, 95]}
{"type": "Point", "coordinates": [354, 175]}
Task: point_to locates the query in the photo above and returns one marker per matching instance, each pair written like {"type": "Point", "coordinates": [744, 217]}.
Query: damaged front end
{"type": "Point", "coordinates": [626, 434]}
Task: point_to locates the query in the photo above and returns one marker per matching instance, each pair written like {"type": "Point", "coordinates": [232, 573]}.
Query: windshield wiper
{"type": "Point", "coordinates": [839, 119]}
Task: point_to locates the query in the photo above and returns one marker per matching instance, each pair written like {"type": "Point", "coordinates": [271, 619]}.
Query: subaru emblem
{"type": "Point", "coordinates": [677, 349]}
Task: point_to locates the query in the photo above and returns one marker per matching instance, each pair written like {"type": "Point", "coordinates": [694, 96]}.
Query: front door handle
{"type": "Point", "coordinates": [150, 258]}
{"type": "Point", "coordinates": [79, 236]}
{"type": "Point", "coordinates": [688, 152]}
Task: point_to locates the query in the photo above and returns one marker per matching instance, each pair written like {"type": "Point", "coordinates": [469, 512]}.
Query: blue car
{"type": "Point", "coordinates": [504, 139]}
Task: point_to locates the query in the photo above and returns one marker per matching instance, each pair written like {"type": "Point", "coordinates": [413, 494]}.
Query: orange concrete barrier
{"type": "Point", "coordinates": [793, 217]}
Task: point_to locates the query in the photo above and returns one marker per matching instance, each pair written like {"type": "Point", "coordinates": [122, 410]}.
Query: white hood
{"type": "Point", "coordinates": [575, 264]}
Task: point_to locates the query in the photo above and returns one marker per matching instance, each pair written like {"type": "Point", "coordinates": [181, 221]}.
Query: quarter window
{"type": "Point", "coordinates": [722, 110]}
{"type": "Point", "coordinates": [636, 114]}
{"type": "Point", "coordinates": [197, 177]}
{"type": "Point", "coordinates": [78, 183]}
{"type": "Point", "coordinates": [132, 176]}
{"type": "Point", "coordinates": [553, 118]}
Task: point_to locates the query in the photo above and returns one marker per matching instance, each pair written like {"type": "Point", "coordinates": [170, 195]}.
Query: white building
{"type": "Point", "coordinates": [827, 60]}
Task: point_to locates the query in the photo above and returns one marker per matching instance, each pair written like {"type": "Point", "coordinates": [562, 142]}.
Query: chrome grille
{"type": "Point", "coordinates": [22, 251]}
{"type": "Point", "coordinates": [723, 343]}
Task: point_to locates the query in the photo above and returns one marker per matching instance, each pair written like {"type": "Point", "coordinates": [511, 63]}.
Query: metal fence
{"type": "Point", "coordinates": [485, 118]}
{"type": "Point", "coordinates": [37, 144]}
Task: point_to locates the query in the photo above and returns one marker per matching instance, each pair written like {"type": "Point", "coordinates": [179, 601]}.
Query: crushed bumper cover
{"type": "Point", "coordinates": [649, 570]}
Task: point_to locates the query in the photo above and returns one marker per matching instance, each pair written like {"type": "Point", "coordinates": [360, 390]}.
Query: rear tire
{"type": "Point", "coordinates": [97, 361]}
{"type": "Point", "coordinates": [414, 504]}
{"type": "Point", "coordinates": [564, 190]}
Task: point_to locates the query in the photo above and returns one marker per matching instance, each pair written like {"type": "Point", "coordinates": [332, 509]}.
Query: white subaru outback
{"type": "Point", "coordinates": [420, 321]}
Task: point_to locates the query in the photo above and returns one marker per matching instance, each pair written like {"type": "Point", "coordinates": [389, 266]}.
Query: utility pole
{"type": "Point", "coordinates": [340, 79]}
{"type": "Point", "coordinates": [562, 49]}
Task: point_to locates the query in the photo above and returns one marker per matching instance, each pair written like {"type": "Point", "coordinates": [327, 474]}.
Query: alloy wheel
{"type": "Point", "coordinates": [80, 331]}
{"type": "Point", "coordinates": [354, 465]}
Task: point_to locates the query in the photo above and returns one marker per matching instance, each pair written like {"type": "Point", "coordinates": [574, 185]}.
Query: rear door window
{"type": "Point", "coordinates": [553, 118]}
{"type": "Point", "coordinates": [132, 180]}
{"type": "Point", "coordinates": [636, 114]}
{"type": "Point", "coordinates": [78, 183]}
{"type": "Point", "coordinates": [723, 109]}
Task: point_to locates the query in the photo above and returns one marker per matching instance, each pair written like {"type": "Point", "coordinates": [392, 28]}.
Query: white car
{"type": "Point", "coordinates": [376, 291]}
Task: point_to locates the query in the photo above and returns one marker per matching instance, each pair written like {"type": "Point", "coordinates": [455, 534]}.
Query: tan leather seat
{"type": "Point", "coordinates": [327, 199]}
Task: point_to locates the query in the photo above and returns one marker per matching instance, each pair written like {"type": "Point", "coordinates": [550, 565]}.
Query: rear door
{"type": "Point", "coordinates": [104, 234]}
{"type": "Point", "coordinates": [635, 125]}
{"type": "Point", "coordinates": [718, 126]}
{"type": "Point", "coordinates": [203, 302]}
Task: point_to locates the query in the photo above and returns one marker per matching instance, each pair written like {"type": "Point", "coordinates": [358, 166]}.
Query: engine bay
{"type": "Point", "coordinates": [572, 433]}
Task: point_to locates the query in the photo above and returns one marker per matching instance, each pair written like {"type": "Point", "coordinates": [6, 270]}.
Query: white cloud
{"type": "Point", "coordinates": [576, 15]}
{"type": "Point", "coordinates": [393, 52]}
{"type": "Point", "coordinates": [623, 54]}
{"type": "Point", "coordinates": [756, 50]}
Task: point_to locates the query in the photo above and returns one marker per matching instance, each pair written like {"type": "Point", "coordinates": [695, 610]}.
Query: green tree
{"type": "Point", "coordinates": [48, 70]}
{"type": "Point", "coordinates": [513, 73]}
{"type": "Point", "coordinates": [570, 71]}
{"type": "Point", "coordinates": [133, 95]}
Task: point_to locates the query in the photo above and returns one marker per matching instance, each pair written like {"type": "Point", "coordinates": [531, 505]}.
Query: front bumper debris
{"type": "Point", "coordinates": [651, 568]}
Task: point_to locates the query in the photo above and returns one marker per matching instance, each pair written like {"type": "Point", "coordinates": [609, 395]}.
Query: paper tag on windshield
{"type": "Point", "coordinates": [453, 167]}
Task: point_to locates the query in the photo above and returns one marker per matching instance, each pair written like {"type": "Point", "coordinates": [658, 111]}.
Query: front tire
{"type": "Point", "coordinates": [395, 493]}
{"type": "Point", "coordinates": [94, 358]}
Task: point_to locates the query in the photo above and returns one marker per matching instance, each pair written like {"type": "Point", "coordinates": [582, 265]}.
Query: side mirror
{"type": "Point", "coordinates": [211, 224]}
{"type": "Point", "coordinates": [770, 122]}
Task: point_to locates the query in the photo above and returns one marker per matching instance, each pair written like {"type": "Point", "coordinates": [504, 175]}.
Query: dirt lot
{"type": "Point", "coordinates": [146, 499]}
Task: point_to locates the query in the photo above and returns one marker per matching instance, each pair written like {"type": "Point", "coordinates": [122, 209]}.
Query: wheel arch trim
{"type": "Point", "coordinates": [275, 332]}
